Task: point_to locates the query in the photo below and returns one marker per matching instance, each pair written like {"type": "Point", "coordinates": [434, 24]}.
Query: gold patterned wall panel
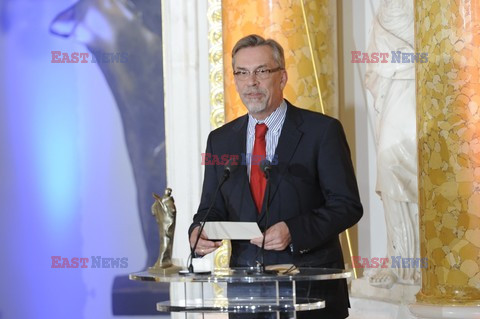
{"type": "Point", "coordinates": [283, 21]}
{"type": "Point", "coordinates": [448, 127]}
{"type": "Point", "coordinates": [215, 55]}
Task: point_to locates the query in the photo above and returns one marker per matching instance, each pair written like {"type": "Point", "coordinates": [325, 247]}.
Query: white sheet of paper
{"type": "Point", "coordinates": [232, 230]}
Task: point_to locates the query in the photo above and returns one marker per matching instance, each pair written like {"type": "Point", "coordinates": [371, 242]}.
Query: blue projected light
{"type": "Point", "coordinates": [72, 191]}
{"type": "Point", "coordinates": [44, 125]}
{"type": "Point", "coordinates": [56, 148]}
{"type": "Point", "coordinates": [39, 106]}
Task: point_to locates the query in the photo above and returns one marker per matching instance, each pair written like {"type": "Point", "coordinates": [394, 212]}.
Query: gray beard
{"type": "Point", "coordinates": [255, 107]}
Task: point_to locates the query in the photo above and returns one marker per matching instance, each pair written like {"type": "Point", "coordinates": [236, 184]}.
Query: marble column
{"type": "Point", "coordinates": [448, 128]}
{"type": "Point", "coordinates": [283, 20]}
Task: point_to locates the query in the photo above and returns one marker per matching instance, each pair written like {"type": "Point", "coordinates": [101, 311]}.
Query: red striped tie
{"type": "Point", "coordinates": [257, 178]}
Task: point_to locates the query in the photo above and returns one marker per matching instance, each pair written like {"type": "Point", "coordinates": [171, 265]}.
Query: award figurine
{"type": "Point", "coordinates": [164, 211]}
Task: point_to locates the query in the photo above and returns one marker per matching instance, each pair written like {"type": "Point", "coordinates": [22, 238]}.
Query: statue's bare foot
{"type": "Point", "coordinates": [383, 279]}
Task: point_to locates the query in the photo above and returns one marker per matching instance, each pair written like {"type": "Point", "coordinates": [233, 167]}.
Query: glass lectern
{"type": "Point", "coordinates": [242, 290]}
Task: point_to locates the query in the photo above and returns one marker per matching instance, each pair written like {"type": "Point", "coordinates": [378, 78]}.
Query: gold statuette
{"type": "Point", "coordinates": [165, 212]}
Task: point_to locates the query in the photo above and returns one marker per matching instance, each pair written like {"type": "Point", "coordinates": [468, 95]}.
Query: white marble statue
{"type": "Point", "coordinates": [393, 88]}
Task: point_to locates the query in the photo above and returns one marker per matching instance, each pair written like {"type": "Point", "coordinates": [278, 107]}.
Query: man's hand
{"type": "Point", "coordinates": [277, 237]}
{"type": "Point", "coordinates": [204, 245]}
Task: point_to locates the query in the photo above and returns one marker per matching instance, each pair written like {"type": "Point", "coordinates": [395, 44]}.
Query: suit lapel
{"type": "Point", "coordinates": [240, 177]}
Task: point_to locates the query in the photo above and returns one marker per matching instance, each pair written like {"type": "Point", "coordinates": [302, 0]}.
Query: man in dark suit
{"type": "Point", "coordinates": [313, 194]}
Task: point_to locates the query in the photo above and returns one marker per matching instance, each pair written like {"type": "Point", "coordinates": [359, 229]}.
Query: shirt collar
{"type": "Point", "coordinates": [273, 121]}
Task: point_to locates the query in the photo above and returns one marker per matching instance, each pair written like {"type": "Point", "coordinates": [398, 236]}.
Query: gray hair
{"type": "Point", "coordinates": [254, 40]}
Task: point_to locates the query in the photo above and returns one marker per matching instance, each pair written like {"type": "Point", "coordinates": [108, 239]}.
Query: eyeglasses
{"type": "Point", "coordinates": [261, 74]}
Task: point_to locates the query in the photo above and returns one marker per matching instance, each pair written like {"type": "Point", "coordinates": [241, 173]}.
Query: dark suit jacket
{"type": "Point", "coordinates": [313, 190]}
